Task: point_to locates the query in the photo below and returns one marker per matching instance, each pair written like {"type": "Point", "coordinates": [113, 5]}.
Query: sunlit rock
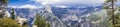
{"type": "Point", "coordinates": [48, 8]}
{"type": "Point", "coordinates": [7, 14]}
{"type": "Point", "coordinates": [21, 21]}
{"type": "Point", "coordinates": [34, 26]}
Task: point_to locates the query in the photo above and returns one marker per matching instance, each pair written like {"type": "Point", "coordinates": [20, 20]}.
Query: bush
{"type": "Point", "coordinates": [8, 22]}
{"type": "Point", "coordinates": [25, 26]}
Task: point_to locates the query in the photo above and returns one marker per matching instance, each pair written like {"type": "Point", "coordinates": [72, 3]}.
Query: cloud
{"type": "Point", "coordinates": [29, 6]}
{"type": "Point", "coordinates": [89, 2]}
{"type": "Point", "coordinates": [26, 6]}
{"type": "Point", "coordinates": [62, 6]}
{"type": "Point", "coordinates": [44, 2]}
{"type": "Point", "coordinates": [81, 7]}
{"type": "Point", "coordinates": [13, 6]}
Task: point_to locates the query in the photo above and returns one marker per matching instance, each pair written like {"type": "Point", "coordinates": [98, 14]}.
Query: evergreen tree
{"type": "Point", "coordinates": [12, 14]}
{"type": "Point", "coordinates": [40, 21]}
{"type": "Point", "coordinates": [114, 18]}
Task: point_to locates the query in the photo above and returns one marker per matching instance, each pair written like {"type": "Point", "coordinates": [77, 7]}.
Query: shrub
{"type": "Point", "coordinates": [8, 22]}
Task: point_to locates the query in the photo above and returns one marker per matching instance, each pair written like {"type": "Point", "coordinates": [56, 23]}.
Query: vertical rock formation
{"type": "Point", "coordinates": [3, 4]}
{"type": "Point", "coordinates": [7, 14]}
{"type": "Point", "coordinates": [48, 8]}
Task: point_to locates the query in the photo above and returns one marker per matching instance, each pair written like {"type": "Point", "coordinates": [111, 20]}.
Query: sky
{"type": "Point", "coordinates": [57, 3]}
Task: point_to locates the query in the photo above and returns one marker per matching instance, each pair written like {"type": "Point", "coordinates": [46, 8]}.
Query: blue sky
{"type": "Point", "coordinates": [56, 3]}
{"type": "Point", "coordinates": [20, 2]}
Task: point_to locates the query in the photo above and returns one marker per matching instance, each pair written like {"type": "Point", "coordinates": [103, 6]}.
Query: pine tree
{"type": "Point", "coordinates": [41, 22]}
{"type": "Point", "coordinates": [12, 14]}
{"type": "Point", "coordinates": [114, 18]}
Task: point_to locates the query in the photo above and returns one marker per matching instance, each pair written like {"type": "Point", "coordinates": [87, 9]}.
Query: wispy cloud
{"type": "Point", "coordinates": [62, 6]}
{"type": "Point", "coordinates": [44, 2]}
{"type": "Point", "coordinates": [13, 6]}
{"type": "Point", "coordinates": [26, 6]}
{"type": "Point", "coordinates": [89, 2]}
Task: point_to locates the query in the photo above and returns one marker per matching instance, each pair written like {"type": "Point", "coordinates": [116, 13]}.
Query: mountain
{"type": "Point", "coordinates": [60, 17]}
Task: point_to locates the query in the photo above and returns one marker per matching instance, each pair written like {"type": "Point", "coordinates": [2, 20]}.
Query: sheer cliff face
{"type": "Point", "coordinates": [51, 18]}
{"type": "Point", "coordinates": [48, 8]}
{"type": "Point", "coordinates": [2, 8]}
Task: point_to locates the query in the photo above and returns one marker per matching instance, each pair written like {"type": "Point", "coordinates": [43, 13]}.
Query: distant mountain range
{"type": "Point", "coordinates": [60, 17]}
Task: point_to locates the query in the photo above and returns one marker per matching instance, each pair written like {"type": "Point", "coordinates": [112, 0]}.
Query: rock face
{"type": "Point", "coordinates": [51, 18]}
{"type": "Point", "coordinates": [3, 6]}
{"type": "Point", "coordinates": [48, 8]}
{"type": "Point", "coordinates": [7, 14]}
{"type": "Point", "coordinates": [21, 21]}
{"type": "Point", "coordinates": [65, 18]}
